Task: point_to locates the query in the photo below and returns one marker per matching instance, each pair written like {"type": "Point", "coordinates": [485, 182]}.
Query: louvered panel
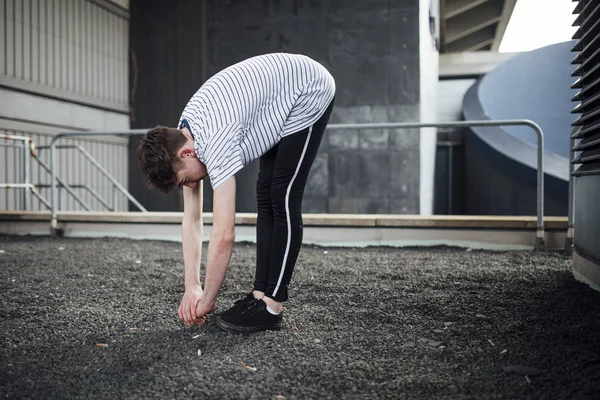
{"type": "Point", "coordinates": [588, 143]}
{"type": "Point", "coordinates": [588, 22]}
{"type": "Point", "coordinates": [591, 101]}
{"type": "Point", "coordinates": [588, 37]}
{"type": "Point", "coordinates": [589, 63]}
{"type": "Point", "coordinates": [592, 168]}
{"type": "Point", "coordinates": [587, 126]}
{"type": "Point", "coordinates": [591, 116]}
{"type": "Point", "coordinates": [579, 58]}
{"type": "Point", "coordinates": [589, 129]}
{"type": "Point", "coordinates": [591, 86]}
{"type": "Point", "coordinates": [583, 13]}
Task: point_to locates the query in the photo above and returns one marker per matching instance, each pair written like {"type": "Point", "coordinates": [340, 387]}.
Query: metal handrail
{"type": "Point", "coordinates": [87, 188]}
{"type": "Point", "coordinates": [103, 171]}
{"type": "Point", "coordinates": [53, 197]}
{"type": "Point", "coordinates": [25, 186]}
{"type": "Point", "coordinates": [539, 243]}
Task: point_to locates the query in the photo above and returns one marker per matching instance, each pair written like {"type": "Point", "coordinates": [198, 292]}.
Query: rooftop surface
{"type": "Point", "coordinates": [97, 318]}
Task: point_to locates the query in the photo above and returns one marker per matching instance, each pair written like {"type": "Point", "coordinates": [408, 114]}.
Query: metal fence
{"type": "Point", "coordinates": [539, 243]}
{"type": "Point", "coordinates": [25, 175]}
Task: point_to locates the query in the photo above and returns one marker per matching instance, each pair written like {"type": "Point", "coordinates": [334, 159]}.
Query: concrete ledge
{"type": "Point", "coordinates": [332, 220]}
{"type": "Point", "coordinates": [342, 230]}
{"type": "Point", "coordinates": [586, 271]}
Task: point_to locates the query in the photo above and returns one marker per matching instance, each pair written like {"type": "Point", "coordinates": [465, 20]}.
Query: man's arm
{"type": "Point", "coordinates": [220, 244]}
{"type": "Point", "coordinates": [191, 229]}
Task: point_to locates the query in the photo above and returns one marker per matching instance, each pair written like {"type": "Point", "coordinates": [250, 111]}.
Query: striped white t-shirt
{"type": "Point", "coordinates": [244, 110]}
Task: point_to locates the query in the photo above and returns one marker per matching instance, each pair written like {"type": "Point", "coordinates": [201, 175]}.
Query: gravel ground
{"type": "Point", "coordinates": [97, 318]}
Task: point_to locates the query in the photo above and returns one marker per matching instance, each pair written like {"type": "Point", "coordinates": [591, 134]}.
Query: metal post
{"type": "Point", "coordinates": [571, 226]}
{"type": "Point", "coordinates": [114, 198]}
{"type": "Point", "coordinates": [450, 174]}
{"type": "Point", "coordinates": [24, 176]}
{"type": "Point", "coordinates": [53, 209]}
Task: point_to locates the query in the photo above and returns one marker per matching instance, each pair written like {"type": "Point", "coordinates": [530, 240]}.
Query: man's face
{"type": "Point", "coordinates": [191, 171]}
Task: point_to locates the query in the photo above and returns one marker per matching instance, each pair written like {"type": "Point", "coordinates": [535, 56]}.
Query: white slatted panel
{"type": "Point", "coordinates": [71, 49]}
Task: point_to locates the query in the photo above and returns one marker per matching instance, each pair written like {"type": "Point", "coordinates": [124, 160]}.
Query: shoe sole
{"type": "Point", "coordinates": [247, 329]}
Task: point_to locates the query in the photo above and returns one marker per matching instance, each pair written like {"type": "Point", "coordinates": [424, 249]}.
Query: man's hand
{"type": "Point", "coordinates": [187, 308]}
{"type": "Point", "coordinates": [204, 308]}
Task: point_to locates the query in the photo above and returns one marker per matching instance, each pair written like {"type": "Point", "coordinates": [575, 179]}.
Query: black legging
{"type": "Point", "coordinates": [282, 176]}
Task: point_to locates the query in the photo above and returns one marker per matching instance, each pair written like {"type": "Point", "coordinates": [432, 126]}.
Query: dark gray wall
{"type": "Point", "coordinates": [587, 217]}
{"type": "Point", "coordinates": [370, 47]}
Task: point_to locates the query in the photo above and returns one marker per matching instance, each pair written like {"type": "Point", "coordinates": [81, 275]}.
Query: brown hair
{"type": "Point", "coordinates": [157, 153]}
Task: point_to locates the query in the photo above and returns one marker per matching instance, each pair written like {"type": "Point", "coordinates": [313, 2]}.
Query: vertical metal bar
{"type": "Point", "coordinates": [539, 239]}
{"type": "Point", "coordinates": [450, 175]}
{"type": "Point", "coordinates": [5, 173]}
{"type": "Point", "coordinates": [114, 198]}
{"type": "Point", "coordinates": [53, 196]}
{"type": "Point", "coordinates": [571, 225]}
{"type": "Point", "coordinates": [26, 171]}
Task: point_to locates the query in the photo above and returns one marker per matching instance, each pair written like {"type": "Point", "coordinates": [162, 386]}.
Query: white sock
{"type": "Point", "coordinates": [271, 311]}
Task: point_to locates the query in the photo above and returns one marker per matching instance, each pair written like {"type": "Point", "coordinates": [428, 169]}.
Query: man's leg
{"type": "Point", "coordinates": [264, 223]}
{"type": "Point", "coordinates": [294, 159]}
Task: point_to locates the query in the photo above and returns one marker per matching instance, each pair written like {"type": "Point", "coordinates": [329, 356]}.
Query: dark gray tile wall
{"type": "Point", "coordinates": [371, 47]}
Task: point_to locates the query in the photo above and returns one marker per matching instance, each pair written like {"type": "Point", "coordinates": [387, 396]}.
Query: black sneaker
{"type": "Point", "coordinates": [254, 318]}
{"type": "Point", "coordinates": [238, 305]}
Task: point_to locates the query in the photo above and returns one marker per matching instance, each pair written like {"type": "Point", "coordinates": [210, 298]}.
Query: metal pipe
{"type": "Point", "coordinates": [26, 171]}
{"type": "Point", "coordinates": [450, 175]}
{"type": "Point", "coordinates": [571, 226]}
{"type": "Point", "coordinates": [89, 189]}
{"type": "Point", "coordinates": [29, 186]}
{"type": "Point", "coordinates": [114, 198]}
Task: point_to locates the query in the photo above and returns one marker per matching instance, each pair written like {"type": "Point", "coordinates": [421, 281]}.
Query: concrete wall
{"type": "Point", "coordinates": [370, 47]}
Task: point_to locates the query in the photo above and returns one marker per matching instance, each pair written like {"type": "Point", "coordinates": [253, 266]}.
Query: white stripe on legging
{"type": "Point", "coordinates": [287, 213]}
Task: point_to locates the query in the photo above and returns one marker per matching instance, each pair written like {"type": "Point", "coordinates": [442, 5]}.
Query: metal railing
{"type": "Point", "coordinates": [53, 180]}
{"type": "Point", "coordinates": [115, 184]}
{"type": "Point", "coordinates": [539, 237]}
{"type": "Point", "coordinates": [28, 151]}
{"type": "Point", "coordinates": [539, 242]}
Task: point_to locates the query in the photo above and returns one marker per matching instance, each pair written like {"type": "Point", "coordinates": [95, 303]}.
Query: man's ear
{"type": "Point", "coordinates": [186, 152]}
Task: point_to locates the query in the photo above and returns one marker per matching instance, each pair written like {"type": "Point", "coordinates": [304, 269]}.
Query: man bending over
{"type": "Point", "coordinates": [272, 107]}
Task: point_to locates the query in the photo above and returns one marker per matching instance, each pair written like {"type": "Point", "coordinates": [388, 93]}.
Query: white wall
{"type": "Point", "coordinates": [429, 71]}
{"type": "Point", "coordinates": [450, 98]}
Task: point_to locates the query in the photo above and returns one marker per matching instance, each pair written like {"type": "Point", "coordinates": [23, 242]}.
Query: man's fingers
{"type": "Point", "coordinates": [186, 313]}
{"type": "Point", "coordinates": [192, 310]}
{"type": "Point", "coordinates": [194, 306]}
